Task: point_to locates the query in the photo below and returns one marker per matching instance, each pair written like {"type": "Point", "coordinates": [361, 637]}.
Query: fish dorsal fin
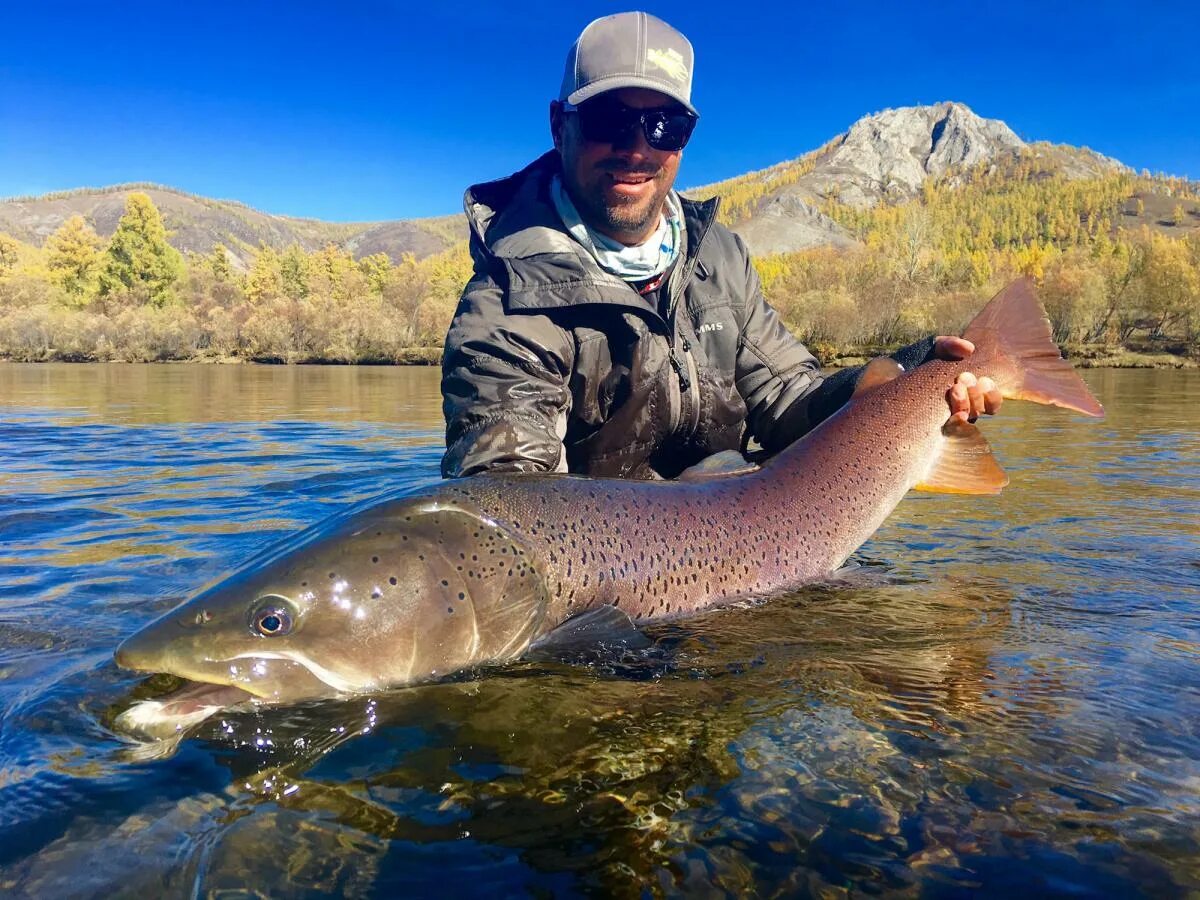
{"type": "Point", "coordinates": [880, 370]}
{"type": "Point", "coordinates": [602, 626]}
{"type": "Point", "coordinates": [727, 462]}
{"type": "Point", "coordinates": [965, 465]}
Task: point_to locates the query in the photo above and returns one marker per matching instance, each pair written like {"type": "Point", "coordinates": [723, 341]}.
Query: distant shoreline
{"type": "Point", "coordinates": [1085, 358]}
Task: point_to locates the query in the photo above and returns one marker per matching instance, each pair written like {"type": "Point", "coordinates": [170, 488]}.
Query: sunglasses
{"type": "Point", "coordinates": [606, 120]}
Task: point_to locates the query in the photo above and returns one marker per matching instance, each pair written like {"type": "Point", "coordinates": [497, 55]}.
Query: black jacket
{"type": "Point", "coordinates": [552, 364]}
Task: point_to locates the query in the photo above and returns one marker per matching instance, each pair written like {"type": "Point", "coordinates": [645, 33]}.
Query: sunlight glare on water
{"type": "Point", "coordinates": [1007, 699]}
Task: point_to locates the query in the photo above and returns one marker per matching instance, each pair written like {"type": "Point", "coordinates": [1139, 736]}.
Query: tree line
{"type": "Point", "coordinates": [925, 266]}
{"type": "Point", "coordinates": [928, 264]}
{"type": "Point", "coordinates": [136, 298]}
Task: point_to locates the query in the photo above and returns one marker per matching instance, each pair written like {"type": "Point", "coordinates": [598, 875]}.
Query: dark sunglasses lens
{"type": "Point", "coordinates": [607, 123]}
{"type": "Point", "coordinates": [668, 131]}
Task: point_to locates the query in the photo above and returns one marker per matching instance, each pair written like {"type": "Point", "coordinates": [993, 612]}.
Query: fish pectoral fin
{"type": "Point", "coordinates": [966, 464]}
{"type": "Point", "coordinates": [727, 462]}
{"type": "Point", "coordinates": [602, 626]}
{"type": "Point", "coordinates": [880, 370]}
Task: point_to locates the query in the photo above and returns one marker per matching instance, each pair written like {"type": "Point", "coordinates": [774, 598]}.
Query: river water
{"type": "Point", "coordinates": [1009, 700]}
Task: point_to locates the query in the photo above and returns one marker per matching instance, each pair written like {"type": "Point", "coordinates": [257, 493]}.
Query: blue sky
{"type": "Point", "coordinates": [388, 110]}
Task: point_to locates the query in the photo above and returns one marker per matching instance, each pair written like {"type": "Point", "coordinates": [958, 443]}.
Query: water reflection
{"type": "Point", "coordinates": [138, 394]}
{"type": "Point", "coordinates": [1011, 705]}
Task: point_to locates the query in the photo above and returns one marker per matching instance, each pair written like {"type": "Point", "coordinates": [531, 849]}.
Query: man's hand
{"type": "Point", "coordinates": [970, 397]}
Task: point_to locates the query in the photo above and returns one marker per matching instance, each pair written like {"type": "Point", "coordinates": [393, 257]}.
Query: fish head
{"type": "Point", "coordinates": [394, 595]}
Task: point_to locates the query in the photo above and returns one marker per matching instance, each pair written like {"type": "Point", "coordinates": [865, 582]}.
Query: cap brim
{"type": "Point", "coordinates": [617, 82]}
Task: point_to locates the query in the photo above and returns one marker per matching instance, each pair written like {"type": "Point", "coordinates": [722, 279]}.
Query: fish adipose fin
{"type": "Point", "coordinates": [966, 464]}
{"type": "Point", "coordinates": [880, 370]}
{"type": "Point", "coordinates": [1013, 330]}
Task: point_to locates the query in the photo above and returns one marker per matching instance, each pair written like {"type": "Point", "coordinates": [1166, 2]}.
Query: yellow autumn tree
{"type": "Point", "coordinates": [73, 257]}
{"type": "Point", "coordinates": [264, 280]}
{"type": "Point", "coordinates": [138, 259]}
{"type": "Point", "coordinates": [10, 254]}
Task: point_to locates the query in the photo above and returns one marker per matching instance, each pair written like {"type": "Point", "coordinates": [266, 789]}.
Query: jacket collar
{"type": "Point", "coordinates": [513, 221]}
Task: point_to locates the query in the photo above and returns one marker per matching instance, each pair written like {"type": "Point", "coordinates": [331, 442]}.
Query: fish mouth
{"type": "Point", "coordinates": [196, 695]}
{"type": "Point", "coordinates": [272, 676]}
{"type": "Point", "coordinates": [173, 714]}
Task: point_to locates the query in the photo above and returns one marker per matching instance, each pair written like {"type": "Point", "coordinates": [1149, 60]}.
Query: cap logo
{"type": "Point", "coordinates": [670, 61]}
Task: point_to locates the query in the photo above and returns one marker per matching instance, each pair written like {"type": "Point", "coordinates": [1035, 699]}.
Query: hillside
{"type": "Point", "coordinates": [199, 223]}
{"type": "Point", "coordinates": [885, 158]}
{"type": "Point", "coordinates": [882, 158]}
{"type": "Point", "coordinates": [896, 229]}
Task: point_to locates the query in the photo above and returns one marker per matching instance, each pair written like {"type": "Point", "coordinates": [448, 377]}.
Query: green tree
{"type": "Point", "coordinates": [139, 259]}
{"type": "Point", "coordinates": [218, 263]}
{"type": "Point", "coordinates": [73, 256]}
{"type": "Point", "coordinates": [295, 269]}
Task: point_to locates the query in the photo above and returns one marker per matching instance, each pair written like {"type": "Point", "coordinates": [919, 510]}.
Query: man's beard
{"type": "Point", "coordinates": [634, 217]}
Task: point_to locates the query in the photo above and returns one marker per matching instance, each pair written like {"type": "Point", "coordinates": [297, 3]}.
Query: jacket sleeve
{"type": "Point", "coordinates": [505, 393]}
{"type": "Point", "coordinates": [781, 383]}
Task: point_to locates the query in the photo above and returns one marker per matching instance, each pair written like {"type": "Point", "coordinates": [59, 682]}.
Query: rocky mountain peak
{"type": "Point", "coordinates": [890, 153]}
{"type": "Point", "coordinates": [883, 157]}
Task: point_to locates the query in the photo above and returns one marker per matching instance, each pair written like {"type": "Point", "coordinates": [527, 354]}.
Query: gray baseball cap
{"type": "Point", "coordinates": [632, 49]}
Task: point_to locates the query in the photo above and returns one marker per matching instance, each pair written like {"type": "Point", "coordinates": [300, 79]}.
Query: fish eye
{"type": "Point", "coordinates": [271, 617]}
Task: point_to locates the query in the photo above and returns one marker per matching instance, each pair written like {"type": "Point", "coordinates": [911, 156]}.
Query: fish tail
{"type": "Point", "coordinates": [1013, 335]}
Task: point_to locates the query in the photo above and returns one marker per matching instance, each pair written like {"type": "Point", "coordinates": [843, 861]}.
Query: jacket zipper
{"type": "Point", "coordinates": [686, 378]}
{"type": "Point", "coordinates": [687, 374]}
{"type": "Point", "coordinates": [694, 377]}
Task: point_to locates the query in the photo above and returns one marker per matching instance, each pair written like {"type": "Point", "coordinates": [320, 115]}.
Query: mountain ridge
{"type": "Point", "coordinates": [883, 157]}
{"type": "Point", "coordinates": [199, 223]}
{"type": "Point", "coordinates": [886, 156]}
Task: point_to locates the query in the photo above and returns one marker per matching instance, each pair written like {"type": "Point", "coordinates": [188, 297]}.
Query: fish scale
{"type": "Point", "coordinates": [476, 570]}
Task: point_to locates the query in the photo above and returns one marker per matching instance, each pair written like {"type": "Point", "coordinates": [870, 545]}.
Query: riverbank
{"type": "Point", "coordinates": [1083, 357]}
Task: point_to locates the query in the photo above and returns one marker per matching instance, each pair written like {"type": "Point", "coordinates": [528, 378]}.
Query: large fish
{"type": "Point", "coordinates": [476, 570]}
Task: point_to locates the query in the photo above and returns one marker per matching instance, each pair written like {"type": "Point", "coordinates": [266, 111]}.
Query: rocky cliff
{"type": "Point", "coordinates": [885, 158]}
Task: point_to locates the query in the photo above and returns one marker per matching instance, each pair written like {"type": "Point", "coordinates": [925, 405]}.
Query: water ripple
{"type": "Point", "coordinates": [1008, 705]}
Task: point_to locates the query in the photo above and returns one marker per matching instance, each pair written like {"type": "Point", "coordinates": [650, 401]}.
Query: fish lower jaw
{"type": "Point", "coordinates": [174, 714]}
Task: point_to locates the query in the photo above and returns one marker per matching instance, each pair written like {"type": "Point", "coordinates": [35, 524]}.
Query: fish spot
{"type": "Point", "coordinates": [333, 574]}
{"type": "Point", "coordinates": [374, 559]}
{"type": "Point", "coordinates": [450, 609]}
{"type": "Point", "coordinates": [392, 580]}
{"type": "Point", "coordinates": [462, 596]}
{"type": "Point", "coordinates": [445, 583]}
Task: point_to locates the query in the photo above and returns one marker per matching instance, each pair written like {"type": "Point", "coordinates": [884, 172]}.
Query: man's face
{"type": "Point", "coordinates": [618, 188]}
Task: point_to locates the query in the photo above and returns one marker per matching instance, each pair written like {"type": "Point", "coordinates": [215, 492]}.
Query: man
{"type": "Point", "coordinates": [612, 328]}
